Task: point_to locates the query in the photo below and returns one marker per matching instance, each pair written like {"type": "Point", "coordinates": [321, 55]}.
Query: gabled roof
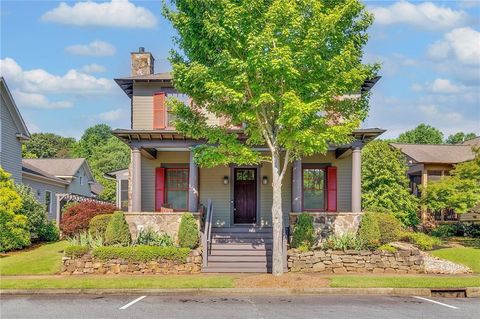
{"type": "Point", "coordinates": [437, 153]}
{"type": "Point", "coordinates": [22, 132]}
{"type": "Point", "coordinates": [473, 142]}
{"type": "Point", "coordinates": [59, 167]}
{"type": "Point", "coordinates": [35, 171]}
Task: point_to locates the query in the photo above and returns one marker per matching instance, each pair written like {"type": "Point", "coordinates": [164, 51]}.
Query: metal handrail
{"type": "Point", "coordinates": [207, 233]}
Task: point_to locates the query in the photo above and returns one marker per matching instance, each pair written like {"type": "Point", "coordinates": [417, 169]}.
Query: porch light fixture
{"type": "Point", "coordinates": [225, 180]}
{"type": "Point", "coordinates": [265, 180]}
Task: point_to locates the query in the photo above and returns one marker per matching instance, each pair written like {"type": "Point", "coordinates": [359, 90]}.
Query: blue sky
{"type": "Point", "coordinates": [59, 60]}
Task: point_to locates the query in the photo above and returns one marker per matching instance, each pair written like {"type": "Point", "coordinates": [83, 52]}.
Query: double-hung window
{"type": "Point", "coordinates": [319, 188]}
{"type": "Point", "coordinates": [172, 188]}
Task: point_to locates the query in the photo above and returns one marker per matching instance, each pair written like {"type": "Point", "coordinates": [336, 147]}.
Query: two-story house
{"type": "Point", "coordinates": [164, 181]}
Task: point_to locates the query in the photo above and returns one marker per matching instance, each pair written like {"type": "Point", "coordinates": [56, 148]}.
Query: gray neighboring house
{"type": "Point", "coordinates": [51, 176]}
{"type": "Point", "coordinates": [120, 176]}
{"type": "Point", "coordinates": [13, 132]}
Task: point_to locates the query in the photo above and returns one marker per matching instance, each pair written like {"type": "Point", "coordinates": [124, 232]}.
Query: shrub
{"type": "Point", "coordinates": [390, 227]}
{"type": "Point", "coordinates": [303, 232]}
{"type": "Point", "coordinates": [369, 231]}
{"type": "Point", "coordinates": [472, 230]}
{"type": "Point", "coordinates": [423, 241]}
{"type": "Point", "coordinates": [76, 217]}
{"type": "Point", "coordinates": [14, 229]}
{"type": "Point", "coordinates": [448, 230]}
{"type": "Point", "coordinates": [117, 232]}
{"type": "Point", "coordinates": [86, 239]}
{"type": "Point", "coordinates": [188, 232]}
{"type": "Point", "coordinates": [387, 248]}
{"type": "Point", "coordinates": [142, 253]}
{"type": "Point", "coordinates": [149, 237]}
{"type": "Point", "coordinates": [98, 224]}
{"type": "Point", "coordinates": [343, 242]}
{"type": "Point", "coordinates": [49, 232]}
{"type": "Point", "coordinates": [75, 251]}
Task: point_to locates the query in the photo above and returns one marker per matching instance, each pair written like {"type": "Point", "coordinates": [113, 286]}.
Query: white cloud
{"type": "Point", "coordinates": [95, 48]}
{"type": "Point", "coordinates": [462, 43]}
{"type": "Point", "coordinates": [35, 100]}
{"type": "Point", "coordinates": [425, 15]}
{"type": "Point", "coordinates": [41, 81]}
{"type": "Point", "coordinates": [113, 115]}
{"type": "Point", "coordinates": [117, 13]}
{"type": "Point", "coordinates": [445, 86]}
{"type": "Point", "coordinates": [93, 68]}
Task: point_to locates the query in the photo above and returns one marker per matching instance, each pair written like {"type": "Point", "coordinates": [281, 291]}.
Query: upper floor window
{"type": "Point", "coordinates": [80, 180]}
{"type": "Point", "coordinates": [48, 201]}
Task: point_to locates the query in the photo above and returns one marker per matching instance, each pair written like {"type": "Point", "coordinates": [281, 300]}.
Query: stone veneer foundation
{"type": "Point", "coordinates": [88, 265]}
{"type": "Point", "coordinates": [327, 223]}
{"type": "Point", "coordinates": [160, 222]}
{"type": "Point", "coordinates": [352, 261]}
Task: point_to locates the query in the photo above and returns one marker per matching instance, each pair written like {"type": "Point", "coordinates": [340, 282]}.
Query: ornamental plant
{"type": "Point", "coordinates": [76, 217]}
{"type": "Point", "coordinates": [117, 232]}
{"type": "Point", "coordinates": [188, 232]}
{"type": "Point", "coordinates": [274, 70]}
{"type": "Point", "coordinates": [98, 225]}
{"type": "Point", "coordinates": [304, 232]}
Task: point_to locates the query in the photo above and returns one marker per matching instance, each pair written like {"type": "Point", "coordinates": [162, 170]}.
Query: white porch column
{"type": "Point", "coordinates": [136, 179]}
{"type": "Point", "coordinates": [297, 186]}
{"type": "Point", "coordinates": [192, 185]}
{"type": "Point", "coordinates": [356, 179]}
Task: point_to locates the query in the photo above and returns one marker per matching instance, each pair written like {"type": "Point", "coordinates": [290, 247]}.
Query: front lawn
{"type": "Point", "coordinates": [44, 260]}
{"type": "Point", "coordinates": [119, 282]}
{"type": "Point", "coordinates": [368, 281]}
{"type": "Point", "coordinates": [468, 256]}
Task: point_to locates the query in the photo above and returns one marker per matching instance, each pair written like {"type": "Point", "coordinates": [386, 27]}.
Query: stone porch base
{"type": "Point", "coordinates": [328, 223]}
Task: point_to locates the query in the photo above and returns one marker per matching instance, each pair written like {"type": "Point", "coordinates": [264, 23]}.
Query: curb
{"type": "Point", "coordinates": [475, 292]}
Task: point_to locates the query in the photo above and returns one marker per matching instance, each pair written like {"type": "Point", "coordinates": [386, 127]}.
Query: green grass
{"type": "Point", "coordinates": [43, 260]}
{"type": "Point", "coordinates": [119, 282]}
{"type": "Point", "coordinates": [403, 281]}
{"type": "Point", "coordinates": [467, 256]}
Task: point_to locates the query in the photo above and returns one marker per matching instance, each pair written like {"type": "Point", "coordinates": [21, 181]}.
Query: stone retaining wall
{"type": "Point", "coordinates": [88, 265]}
{"type": "Point", "coordinates": [159, 222]}
{"type": "Point", "coordinates": [328, 223]}
{"type": "Point", "coordinates": [351, 261]}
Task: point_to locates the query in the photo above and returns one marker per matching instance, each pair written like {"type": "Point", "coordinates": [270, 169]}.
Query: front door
{"type": "Point", "coordinates": [245, 196]}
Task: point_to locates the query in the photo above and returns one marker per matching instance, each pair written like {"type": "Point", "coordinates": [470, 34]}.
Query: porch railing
{"type": "Point", "coordinates": [207, 233]}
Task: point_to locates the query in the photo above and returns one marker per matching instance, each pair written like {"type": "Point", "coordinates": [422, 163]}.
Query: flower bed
{"type": "Point", "coordinates": [134, 260]}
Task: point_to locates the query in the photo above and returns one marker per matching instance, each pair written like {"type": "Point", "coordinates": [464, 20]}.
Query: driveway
{"type": "Point", "coordinates": [277, 307]}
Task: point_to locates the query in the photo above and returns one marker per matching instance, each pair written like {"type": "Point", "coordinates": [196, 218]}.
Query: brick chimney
{"type": "Point", "coordinates": [142, 62]}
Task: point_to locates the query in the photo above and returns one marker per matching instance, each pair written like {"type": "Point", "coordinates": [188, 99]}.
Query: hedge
{"type": "Point", "coordinates": [141, 253]}
{"type": "Point", "coordinates": [76, 250]}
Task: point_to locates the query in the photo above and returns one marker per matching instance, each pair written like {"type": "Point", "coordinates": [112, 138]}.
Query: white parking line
{"type": "Point", "coordinates": [437, 302]}
{"type": "Point", "coordinates": [132, 302]}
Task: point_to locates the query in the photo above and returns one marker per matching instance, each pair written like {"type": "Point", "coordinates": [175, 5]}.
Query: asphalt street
{"type": "Point", "coordinates": [231, 307]}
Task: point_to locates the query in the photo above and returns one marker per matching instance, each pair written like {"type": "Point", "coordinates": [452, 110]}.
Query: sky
{"type": "Point", "coordinates": [60, 58]}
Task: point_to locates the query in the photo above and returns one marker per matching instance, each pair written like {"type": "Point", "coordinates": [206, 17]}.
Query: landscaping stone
{"type": "Point", "coordinates": [435, 265]}
{"type": "Point", "coordinates": [352, 261]}
{"type": "Point", "coordinates": [88, 265]}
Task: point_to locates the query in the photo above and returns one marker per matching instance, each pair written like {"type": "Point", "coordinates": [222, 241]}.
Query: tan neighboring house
{"type": "Point", "coordinates": [429, 163]}
{"type": "Point", "coordinates": [47, 177]}
{"type": "Point", "coordinates": [164, 182]}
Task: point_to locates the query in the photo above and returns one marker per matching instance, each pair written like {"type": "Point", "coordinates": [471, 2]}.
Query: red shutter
{"type": "Point", "coordinates": [159, 188]}
{"type": "Point", "coordinates": [331, 189]}
{"type": "Point", "coordinates": [159, 111]}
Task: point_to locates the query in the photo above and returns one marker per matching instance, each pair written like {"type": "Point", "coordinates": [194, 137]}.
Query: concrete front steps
{"type": "Point", "coordinates": [240, 249]}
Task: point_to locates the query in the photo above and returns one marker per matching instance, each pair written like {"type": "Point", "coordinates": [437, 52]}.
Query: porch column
{"type": "Point", "coordinates": [297, 186]}
{"type": "Point", "coordinates": [136, 179]}
{"type": "Point", "coordinates": [356, 180]}
{"type": "Point", "coordinates": [192, 185]}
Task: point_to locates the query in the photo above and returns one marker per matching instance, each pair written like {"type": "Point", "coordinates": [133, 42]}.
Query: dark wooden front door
{"type": "Point", "coordinates": [245, 196]}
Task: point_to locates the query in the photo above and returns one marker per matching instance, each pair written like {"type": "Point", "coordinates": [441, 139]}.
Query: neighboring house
{"type": "Point", "coordinates": [121, 178]}
{"type": "Point", "coordinates": [430, 162]}
{"type": "Point", "coordinates": [163, 178]}
{"type": "Point", "coordinates": [13, 132]}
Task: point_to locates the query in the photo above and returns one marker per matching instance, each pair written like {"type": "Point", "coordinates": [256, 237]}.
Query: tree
{"type": "Point", "coordinates": [460, 191]}
{"type": "Point", "coordinates": [275, 69]}
{"type": "Point", "coordinates": [385, 182]}
{"type": "Point", "coordinates": [111, 155]}
{"type": "Point", "coordinates": [460, 137]}
{"type": "Point", "coordinates": [422, 134]}
{"type": "Point", "coordinates": [91, 138]}
{"type": "Point", "coordinates": [48, 145]}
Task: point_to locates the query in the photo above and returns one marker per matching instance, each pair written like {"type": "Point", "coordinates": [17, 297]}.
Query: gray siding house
{"type": "Point", "coordinates": [164, 181]}
{"type": "Point", "coordinates": [12, 132]}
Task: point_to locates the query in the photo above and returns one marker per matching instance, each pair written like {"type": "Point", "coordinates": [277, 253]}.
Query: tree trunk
{"type": "Point", "coordinates": [277, 216]}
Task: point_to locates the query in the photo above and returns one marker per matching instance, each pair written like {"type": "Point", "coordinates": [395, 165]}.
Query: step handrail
{"type": "Point", "coordinates": [207, 233]}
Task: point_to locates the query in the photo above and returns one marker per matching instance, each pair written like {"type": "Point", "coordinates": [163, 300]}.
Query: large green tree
{"type": "Point", "coordinates": [460, 191]}
{"type": "Point", "coordinates": [459, 137]}
{"type": "Point", "coordinates": [385, 182]}
{"type": "Point", "coordinates": [274, 68]}
{"type": "Point", "coordinates": [422, 134]}
{"type": "Point", "coordinates": [91, 138]}
{"type": "Point", "coordinates": [48, 145]}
